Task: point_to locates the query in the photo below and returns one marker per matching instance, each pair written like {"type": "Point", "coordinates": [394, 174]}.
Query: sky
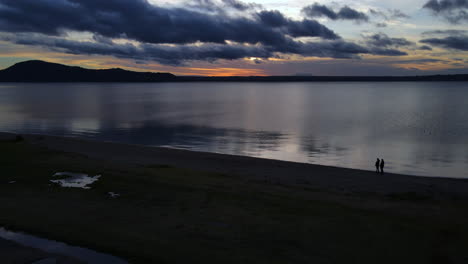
{"type": "Point", "coordinates": [240, 38]}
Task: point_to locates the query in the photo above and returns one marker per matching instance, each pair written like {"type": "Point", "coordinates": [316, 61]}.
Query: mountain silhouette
{"type": "Point", "coordinates": [41, 71]}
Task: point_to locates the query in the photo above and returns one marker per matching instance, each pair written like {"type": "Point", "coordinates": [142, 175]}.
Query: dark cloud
{"type": "Point", "coordinates": [389, 14]}
{"type": "Point", "coordinates": [304, 28]}
{"type": "Point", "coordinates": [443, 5]}
{"type": "Point", "coordinates": [309, 28]}
{"type": "Point", "coordinates": [100, 39]}
{"type": "Point", "coordinates": [239, 5]}
{"type": "Point", "coordinates": [387, 52]}
{"type": "Point", "coordinates": [165, 54]}
{"type": "Point", "coordinates": [425, 47]}
{"type": "Point", "coordinates": [273, 18]}
{"type": "Point", "coordinates": [138, 20]}
{"type": "Point", "coordinates": [345, 13]}
{"type": "Point", "coordinates": [417, 61]}
{"type": "Point", "coordinates": [381, 25]}
{"type": "Point", "coordinates": [257, 61]}
{"type": "Point", "coordinates": [317, 10]}
{"type": "Point", "coordinates": [382, 44]}
{"type": "Point", "coordinates": [452, 42]}
{"type": "Point", "coordinates": [204, 5]}
{"type": "Point", "coordinates": [446, 32]}
{"type": "Point", "coordinates": [333, 49]}
{"type": "Point", "coordinates": [382, 40]}
{"type": "Point", "coordinates": [455, 11]}
{"type": "Point", "coordinates": [375, 12]}
{"type": "Point", "coordinates": [179, 54]}
{"type": "Point", "coordinates": [176, 35]}
{"type": "Point", "coordinates": [220, 7]}
{"type": "Point", "coordinates": [352, 14]}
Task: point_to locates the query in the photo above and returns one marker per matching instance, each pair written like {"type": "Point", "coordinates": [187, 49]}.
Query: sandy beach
{"type": "Point", "coordinates": [258, 169]}
{"type": "Point", "coordinates": [188, 197]}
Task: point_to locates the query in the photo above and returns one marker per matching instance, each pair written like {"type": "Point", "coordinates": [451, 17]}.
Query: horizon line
{"type": "Point", "coordinates": [243, 76]}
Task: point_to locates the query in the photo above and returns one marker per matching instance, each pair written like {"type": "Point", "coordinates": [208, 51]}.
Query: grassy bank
{"type": "Point", "coordinates": [172, 215]}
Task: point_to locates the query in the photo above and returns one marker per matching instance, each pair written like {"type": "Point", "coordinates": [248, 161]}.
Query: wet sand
{"type": "Point", "coordinates": [11, 252]}
{"type": "Point", "coordinates": [258, 169]}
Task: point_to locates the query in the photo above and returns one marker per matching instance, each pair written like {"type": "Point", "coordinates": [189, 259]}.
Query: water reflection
{"type": "Point", "coordinates": [55, 247]}
{"type": "Point", "coordinates": [418, 128]}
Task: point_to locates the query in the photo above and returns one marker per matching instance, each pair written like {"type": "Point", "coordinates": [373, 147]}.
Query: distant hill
{"type": "Point", "coordinates": [41, 71]}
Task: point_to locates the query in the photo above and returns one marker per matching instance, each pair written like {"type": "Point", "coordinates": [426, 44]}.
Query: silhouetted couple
{"type": "Point", "coordinates": [379, 164]}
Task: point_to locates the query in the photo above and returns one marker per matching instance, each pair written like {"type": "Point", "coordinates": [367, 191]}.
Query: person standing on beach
{"type": "Point", "coordinates": [377, 164]}
{"type": "Point", "coordinates": [382, 164]}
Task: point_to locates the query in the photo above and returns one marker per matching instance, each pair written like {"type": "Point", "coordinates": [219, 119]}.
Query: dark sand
{"type": "Point", "coordinates": [258, 169]}
{"type": "Point", "coordinates": [393, 196]}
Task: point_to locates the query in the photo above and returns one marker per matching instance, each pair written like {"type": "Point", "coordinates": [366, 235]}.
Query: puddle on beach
{"type": "Point", "coordinates": [75, 180]}
{"type": "Point", "coordinates": [59, 248]}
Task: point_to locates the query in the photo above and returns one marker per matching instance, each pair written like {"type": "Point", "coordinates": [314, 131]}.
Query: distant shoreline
{"type": "Point", "coordinates": [267, 79]}
{"type": "Point", "coordinates": [41, 71]}
{"type": "Point", "coordinates": [422, 78]}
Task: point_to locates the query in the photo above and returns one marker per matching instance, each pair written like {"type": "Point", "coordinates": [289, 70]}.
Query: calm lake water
{"type": "Point", "coordinates": [419, 128]}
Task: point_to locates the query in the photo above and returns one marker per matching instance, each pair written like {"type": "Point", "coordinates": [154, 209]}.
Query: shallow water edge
{"type": "Point", "coordinates": [60, 248]}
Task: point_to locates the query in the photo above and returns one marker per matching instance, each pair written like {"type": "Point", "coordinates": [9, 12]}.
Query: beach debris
{"type": "Point", "coordinates": [113, 194]}
{"type": "Point", "coordinates": [75, 180]}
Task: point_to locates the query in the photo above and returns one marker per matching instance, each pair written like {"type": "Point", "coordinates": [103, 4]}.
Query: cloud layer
{"type": "Point", "coordinates": [455, 11]}
{"type": "Point", "coordinates": [207, 30]}
{"type": "Point", "coordinates": [451, 42]}
{"type": "Point", "coordinates": [178, 54]}
{"type": "Point", "coordinates": [169, 35]}
{"type": "Point", "coordinates": [382, 44]}
{"type": "Point", "coordinates": [173, 35]}
{"type": "Point", "coordinates": [139, 20]}
{"type": "Point", "coordinates": [344, 13]}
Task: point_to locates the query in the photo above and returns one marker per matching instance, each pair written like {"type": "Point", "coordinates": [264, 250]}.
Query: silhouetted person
{"type": "Point", "coordinates": [377, 164]}
{"type": "Point", "coordinates": [382, 164]}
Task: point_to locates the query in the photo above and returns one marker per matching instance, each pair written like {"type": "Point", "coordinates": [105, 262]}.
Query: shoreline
{"type": "Point", "coordinates": [46, 71]}
{"type": "Point", "coordinates": [328, 178]}
{"type": "Point", "coordinates": [179, 206]}
{"type": "Point", "coordinates": [10, 135]}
